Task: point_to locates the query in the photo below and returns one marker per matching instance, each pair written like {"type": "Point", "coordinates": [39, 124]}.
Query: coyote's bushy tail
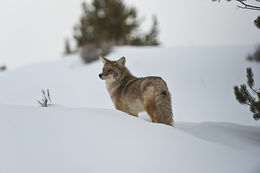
{"type": "Point", "coordinates": [163, 106]}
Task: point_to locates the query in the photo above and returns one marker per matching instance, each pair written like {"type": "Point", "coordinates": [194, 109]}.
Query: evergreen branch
{"type": "Point", "coordinates": [250, 77]}
{"type": "Point", "coordinates": [239, 96]}
{"type": "Point", "coordinates": [244, 97]}
{"type": "Point", "coordinates": [254, 90]}
{"type": "Point", "coordinates": [247, 95]}
{"type": "Point", "coordinates": [250, 80]}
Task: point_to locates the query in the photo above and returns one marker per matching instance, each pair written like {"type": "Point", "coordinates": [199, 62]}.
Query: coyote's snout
{"type": "Point", "coordinates": [133, 95]}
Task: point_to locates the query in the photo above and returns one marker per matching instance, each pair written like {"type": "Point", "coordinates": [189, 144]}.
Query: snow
{"type": "Point", "coordinates": [200, 79]}
{"type": "Point", "coordinates": [82, 131]}
{"type": "Point", "coordinates": [60, 139]}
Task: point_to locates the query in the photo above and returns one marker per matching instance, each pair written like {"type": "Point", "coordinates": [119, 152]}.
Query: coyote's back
{"type": "Point", "coordinates": [133, 95]}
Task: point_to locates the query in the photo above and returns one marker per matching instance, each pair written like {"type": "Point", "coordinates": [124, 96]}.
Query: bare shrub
{"type": "Point", "coordinates": [91, 52]}
{"type": "Point", "coordinates": [46, 99]}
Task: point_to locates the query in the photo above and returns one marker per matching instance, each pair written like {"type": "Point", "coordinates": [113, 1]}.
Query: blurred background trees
{"type": "Point", "coordinates": [255, 56]}
{"type": "Point", "coordinates": [257, 22]}
{"type": "Point", "coordinates": [67, 48]}
{"type": "Point", "coordinates": [106, 23]}
{"type": "Point", "coordinates": [2, 68]}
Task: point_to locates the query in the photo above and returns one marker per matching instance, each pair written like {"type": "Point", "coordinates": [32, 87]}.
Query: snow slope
{"type": "Point", "coordinates": [200, 79]}
{"type": "Point", "coordinates": [60, 139]}
{"type": "Point", "coordinates": [83, 132]}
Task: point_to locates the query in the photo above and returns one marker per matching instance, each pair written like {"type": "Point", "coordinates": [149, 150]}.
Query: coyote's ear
{"type": "Point", "coordinates": [103, 59]}
{"type": "Point", "coordinates": [121, 61]}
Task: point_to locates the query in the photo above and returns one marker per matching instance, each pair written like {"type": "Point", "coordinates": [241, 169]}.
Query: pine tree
{"type": "Point", "coordinates": [111, 21]}
{"type": "Point", "coordinates": [244, 97]}
{"type": "Point", "coordinates": [106, 23]}
{"type": "Point", "coordinates": [105, 20]}
{"type": "Point", "coordinates": [84, 32]}
{"type": "Point", "coordinates": [151, 37]}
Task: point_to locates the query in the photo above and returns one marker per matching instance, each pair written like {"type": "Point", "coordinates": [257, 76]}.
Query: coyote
{"type": "Point", "coordinates": [132, 95]}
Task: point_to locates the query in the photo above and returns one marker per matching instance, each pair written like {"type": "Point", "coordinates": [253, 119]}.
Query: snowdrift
{"type": "Point", "coordinates": [60, 139]}
{"type": "Point", "coordinates": [82, 132]}
{"type": "Point", "coordinates": [200, 79]}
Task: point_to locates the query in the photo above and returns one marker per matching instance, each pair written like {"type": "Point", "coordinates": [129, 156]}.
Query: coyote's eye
{"type": "Point", "coordinates": [110, 71]}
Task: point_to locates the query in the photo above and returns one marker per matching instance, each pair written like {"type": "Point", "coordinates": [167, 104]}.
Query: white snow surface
{"type": "Point", "coordinates": [200, 79]}
{"type": "Point", "coordinates": [60, 139]}
{"type": "Point", "coordinates": [82, 131]}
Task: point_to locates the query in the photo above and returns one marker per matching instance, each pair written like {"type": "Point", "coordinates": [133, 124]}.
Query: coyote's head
{"type": "Point", "coordinates": [112, 69]}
